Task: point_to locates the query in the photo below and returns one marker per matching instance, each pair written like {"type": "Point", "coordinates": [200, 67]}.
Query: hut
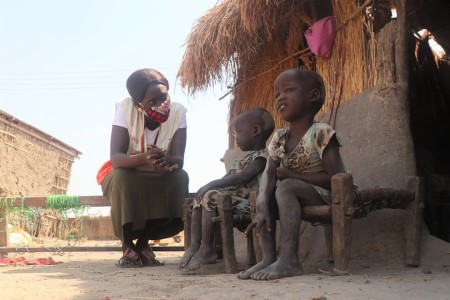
{"type": "Point", "coordinates": [388, 85]}
{"type": "Point", "coordinates": [33, 163]}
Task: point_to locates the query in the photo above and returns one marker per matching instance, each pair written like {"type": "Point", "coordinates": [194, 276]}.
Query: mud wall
{"type": "Point", "coordinates": [378, 150]}
{"type": "Point", "coordinates": [29, 166]}
{"type": "Point", "coordinates": [377, 145]}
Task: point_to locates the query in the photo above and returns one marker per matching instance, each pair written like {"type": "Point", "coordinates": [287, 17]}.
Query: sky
{"type": "Point", "coordinates": [63, 67]}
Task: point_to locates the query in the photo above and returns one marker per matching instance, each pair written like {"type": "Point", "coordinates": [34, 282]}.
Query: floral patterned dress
{"type": "Point", "coordinates": [307, 155]}
{"type": "Point", "coordinates": [240, 193]}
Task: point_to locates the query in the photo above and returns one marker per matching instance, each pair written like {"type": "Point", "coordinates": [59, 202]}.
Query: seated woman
{"type": "Point", "coordinates": [147, 185]}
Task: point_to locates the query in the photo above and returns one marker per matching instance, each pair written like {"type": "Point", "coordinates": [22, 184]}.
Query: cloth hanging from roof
{"type": "Point", "coordinates": [320, 37]}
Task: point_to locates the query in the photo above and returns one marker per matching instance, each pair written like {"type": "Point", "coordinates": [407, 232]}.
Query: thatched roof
{"type": "Point", "coordinates": [245, 44]}
{"type": "Point", "coordinates": [11, 121]}
{"type": "Point", "coordinates": [231, 34]}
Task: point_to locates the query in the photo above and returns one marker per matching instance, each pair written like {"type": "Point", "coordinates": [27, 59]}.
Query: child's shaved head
{"type": "Point", "coordinates": [261, 117]}
{"type": "Point", "coordinates": [310, 80]}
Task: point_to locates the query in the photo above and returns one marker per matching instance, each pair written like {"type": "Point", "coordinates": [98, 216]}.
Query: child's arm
{"type": "Point", "coordinates": [247, 173]}
{"type": "Point", "coordinates": [333, 164]}
{"type": "Point", "coordinates": [267, 185]}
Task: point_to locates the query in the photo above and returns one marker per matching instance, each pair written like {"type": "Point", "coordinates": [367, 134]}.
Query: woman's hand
{"type": "Point", "coordinates": [156, 158]}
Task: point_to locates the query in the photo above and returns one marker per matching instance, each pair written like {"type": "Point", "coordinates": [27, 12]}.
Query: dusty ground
{"type": "Point", "coordinates": [92, 275]}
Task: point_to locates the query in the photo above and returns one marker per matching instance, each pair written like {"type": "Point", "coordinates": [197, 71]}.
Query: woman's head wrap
{"type": "Point", "coordinates": [140, 80]}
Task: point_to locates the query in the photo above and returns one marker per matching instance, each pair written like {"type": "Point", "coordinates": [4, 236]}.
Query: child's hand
{"type": "Point", "coordinates": [262, 219]}
{"type": "Point", "coordinates": [201, 192]}
{"type": "Point", "coordinates": [283, 173]}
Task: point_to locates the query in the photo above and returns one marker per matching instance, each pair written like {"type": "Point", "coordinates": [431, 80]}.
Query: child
{"type": "Point", "coordinates": [302, 159]}
{"type": "Point", "coordinates": [252, 129]}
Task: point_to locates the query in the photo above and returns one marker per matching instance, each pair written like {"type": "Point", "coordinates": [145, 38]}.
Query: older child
{"type": "Point", "coordinates": [303, 158]}
{"type": "Point", "coordinates": [252, 129]}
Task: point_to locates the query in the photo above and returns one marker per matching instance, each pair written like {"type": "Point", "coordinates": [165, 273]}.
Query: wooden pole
{"type": "Point", "coordinates": [256, 245]}
{"type": "Point", "coordinates": [225, 210]}
{"type": "Point", "coordinates": [342, 207]}
{"type": "Point", "coordinates": [401, 44]}
{"type": "Point", "coordinates": [413, 222]}
{"type": "Point", "coordinates": [187, 221]}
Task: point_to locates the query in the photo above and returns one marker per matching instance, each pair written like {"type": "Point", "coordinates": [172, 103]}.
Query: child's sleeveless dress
{"type": "Point", "coordinates": [307, 155]}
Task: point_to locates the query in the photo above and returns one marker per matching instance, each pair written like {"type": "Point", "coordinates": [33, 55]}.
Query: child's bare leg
{"type": "Point", "coordinates": [290, 193]}
{"type": "Point", "coordinates": [268, 249]}
{"type": "Point", "coordinates": [206, 254]}
{"type": "Point", "coordinates": [196, 237]}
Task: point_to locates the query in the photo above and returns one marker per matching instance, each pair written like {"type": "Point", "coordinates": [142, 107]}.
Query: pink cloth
{"type": "Point", "coordinates": [320, 37]}
{"type": "Point", "coordinates": [23, 261]}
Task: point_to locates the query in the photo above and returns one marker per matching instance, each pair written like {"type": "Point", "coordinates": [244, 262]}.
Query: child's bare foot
{"type": "Point", "coordinates": [259, 266]}
{"type": "Point", "coordinates": [278, 270]}
{"type": "Point", "coordinates": [202, 257]}
{"type": "Point", "coordinates": [188, 254]}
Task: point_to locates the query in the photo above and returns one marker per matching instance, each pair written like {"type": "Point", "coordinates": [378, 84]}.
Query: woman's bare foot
{"type": "Point", "coordinates": [259, 266]}
{"type": "Point", "coordinates": [202, 257]}
{"type": "Point", "coordinates": [188, 254]}
{"type": "Point", "coordinates": [278, 270]}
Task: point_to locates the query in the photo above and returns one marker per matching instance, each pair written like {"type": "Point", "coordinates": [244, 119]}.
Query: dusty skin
{"type": "Point", "coordinates": [92, 275]}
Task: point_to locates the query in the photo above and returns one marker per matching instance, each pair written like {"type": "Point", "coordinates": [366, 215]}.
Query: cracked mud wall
{"type": "Point", "coordinates": [30, 166]}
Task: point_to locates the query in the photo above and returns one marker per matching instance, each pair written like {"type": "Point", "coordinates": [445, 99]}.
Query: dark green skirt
{"type": "Point", "coordinates": [138, 196]}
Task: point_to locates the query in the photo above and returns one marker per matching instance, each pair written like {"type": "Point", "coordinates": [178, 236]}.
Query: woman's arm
{"type": "Point", "coordinates": [177, 148]}
{"type": "Point", "coordinates": [118, 150]}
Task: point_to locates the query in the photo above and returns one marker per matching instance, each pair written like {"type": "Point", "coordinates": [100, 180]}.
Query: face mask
{"type": "Point", "coordinates": [158, 114]}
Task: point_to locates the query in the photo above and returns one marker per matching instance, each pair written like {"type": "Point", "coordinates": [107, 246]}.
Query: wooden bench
{"type": "Point", "coordinates": [339, 214]}
{"type": "Point", "coordinates": [93, 201]}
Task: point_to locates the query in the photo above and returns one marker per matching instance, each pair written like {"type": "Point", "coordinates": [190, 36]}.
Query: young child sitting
{"type": "Point", "coordinates": [302, 159]}
{"type": "Point", "coordinates": [252, 129]}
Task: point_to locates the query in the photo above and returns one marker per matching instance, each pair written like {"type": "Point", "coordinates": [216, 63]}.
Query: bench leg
{"type": "Point", "coordinates": [328, 232]}
{"type": "Point", "coordinates": [225, 210]}
{"type": "Point", "coordinates": [342, 214]}
{"type": "Point", "coordinates": [187, 222]}
{"type": "Point", "coordinates": [255, 239]}
{"type": "Point", "coordinates": [413, 221]}
{"type": "Point", "coordinates": [251, 257]}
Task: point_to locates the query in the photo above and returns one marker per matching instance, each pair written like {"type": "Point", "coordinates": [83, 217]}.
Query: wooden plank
{"type": "Point", "coordinates": [413, 222]}
{"type": "Point", "coordinates": [342, 209]}
{"type": "Point", "coordinates": [81, 249]}
{"type": "Point", "coordinates": [317, 213]}
{"type": "Point", "coordinates": [225, 210]}
{"type": "Point", "coordinates": [94, 201]}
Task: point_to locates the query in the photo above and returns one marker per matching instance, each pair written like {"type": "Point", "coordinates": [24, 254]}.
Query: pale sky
{"type": "Point", "coordinates": [63, 66]}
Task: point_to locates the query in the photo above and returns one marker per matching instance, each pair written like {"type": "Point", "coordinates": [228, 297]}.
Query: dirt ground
{"type": "Point", "coordinates": [93, 275]}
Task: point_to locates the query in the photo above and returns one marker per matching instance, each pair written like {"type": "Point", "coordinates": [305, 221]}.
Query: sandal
{"type": "Point", "coordinates": [130, 259]}
{"type": "Point", "coordinates": [148, 258]}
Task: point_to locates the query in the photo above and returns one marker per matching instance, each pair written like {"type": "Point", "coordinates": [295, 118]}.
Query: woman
{"type": "Point", "coordinates": [147, 184]}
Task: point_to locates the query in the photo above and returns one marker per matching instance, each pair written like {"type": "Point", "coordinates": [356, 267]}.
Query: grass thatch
{"type": "Point", "coordinates": [247, 43]}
